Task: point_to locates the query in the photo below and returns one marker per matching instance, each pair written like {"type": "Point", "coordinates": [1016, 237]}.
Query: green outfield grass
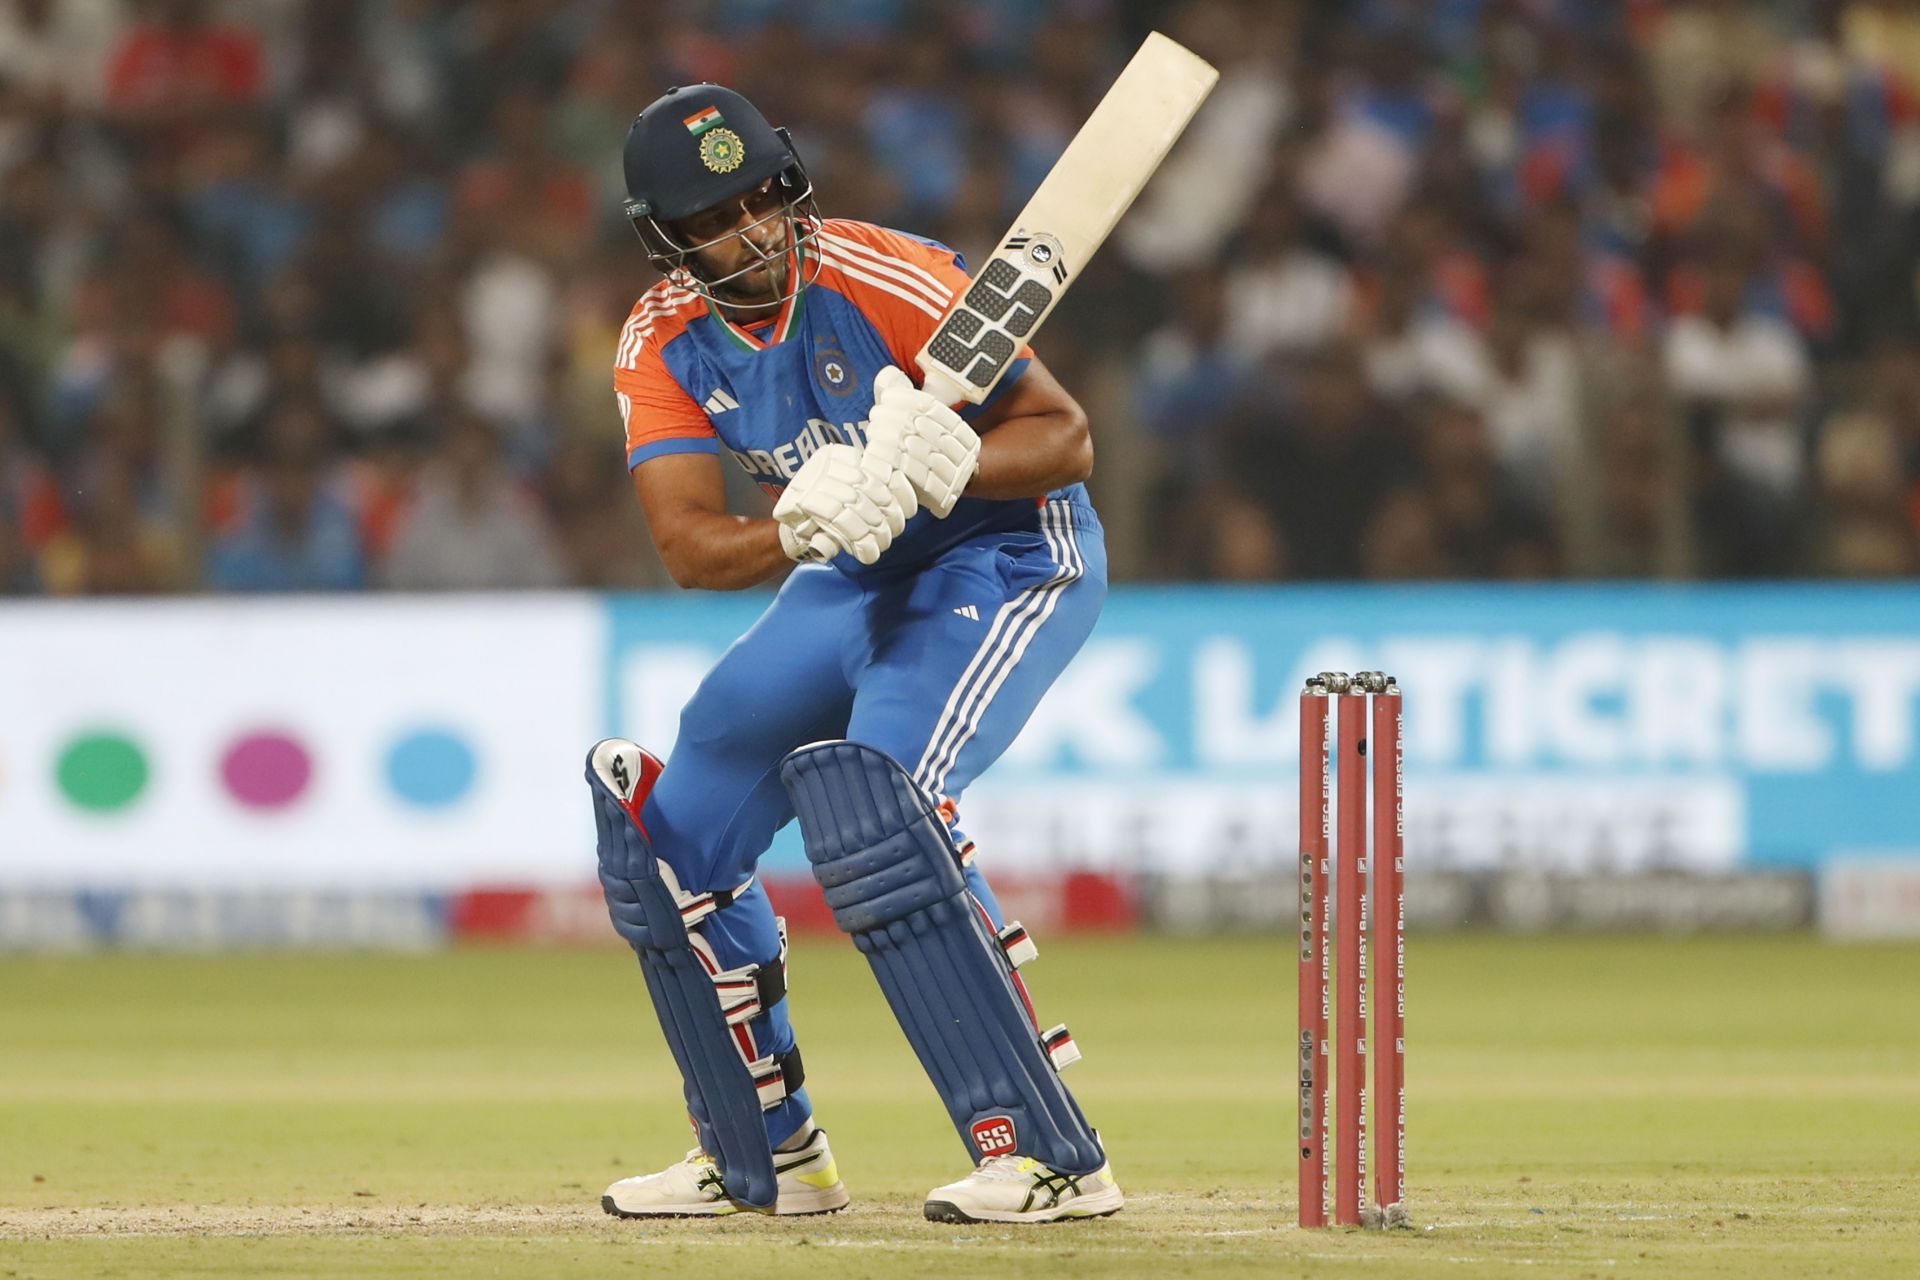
{"type": "Point", "coordinates": [1582, 1107]}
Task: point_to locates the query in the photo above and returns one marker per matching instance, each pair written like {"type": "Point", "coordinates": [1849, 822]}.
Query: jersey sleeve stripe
{"type": "Point", "coordinates": [646, 331]}
{"type": "Point", "coordinates": [895, 268]}
{"type": "Point", "coordinates": [935, 291]}
{"type": "Point", "coordinates": [661, 446]}
{"type": "Point", "coordinates": [623, 358]}
{"type": "Point", "coordinates": [921, 257]}
{"type": "Point", "coordinates": [662, 303]}
{"type": "Point", "coordinates": [853, 271]}
{"type": "Point", "coordinates": [650, 309]}
{"type": "Point", "coordinates": [639, 340]}
{"type": "Point", "coordinates": [631, 339]}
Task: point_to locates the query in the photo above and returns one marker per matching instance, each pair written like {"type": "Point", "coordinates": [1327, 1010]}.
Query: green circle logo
{"type": "Point", "coordinates": [102, 772]}
{"type": "Point", "coordinates": [721, 150]}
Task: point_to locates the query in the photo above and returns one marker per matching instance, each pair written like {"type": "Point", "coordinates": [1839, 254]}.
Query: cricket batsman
{"type": "Point", "coordinates": [948, 567]}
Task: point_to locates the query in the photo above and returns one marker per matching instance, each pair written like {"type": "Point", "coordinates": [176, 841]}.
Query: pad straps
{"type": "Point", "coordinates": [695, 907]}
{"type": "Point", "coordinates": [750, 990]}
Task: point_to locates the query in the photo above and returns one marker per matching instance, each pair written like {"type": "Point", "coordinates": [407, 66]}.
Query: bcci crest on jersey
{"type": "Point", "coordinates": [833, 371]}
{"type": "Point", "coordinates": [781, 463]}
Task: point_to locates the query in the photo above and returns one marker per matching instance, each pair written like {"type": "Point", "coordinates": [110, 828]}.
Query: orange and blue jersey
{"type": "Point", "coordinates": [689, 380]}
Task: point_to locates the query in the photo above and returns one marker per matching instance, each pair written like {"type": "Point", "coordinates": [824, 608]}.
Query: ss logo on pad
{"type": "Point", "coordinates": [994, 1136]}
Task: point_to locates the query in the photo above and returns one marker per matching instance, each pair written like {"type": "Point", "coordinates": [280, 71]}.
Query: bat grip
{"type": "Point", "coordinates": [949, 392]}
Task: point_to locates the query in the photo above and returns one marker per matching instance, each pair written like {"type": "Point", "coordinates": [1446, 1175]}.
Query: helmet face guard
{"type": "Point", "coordinates": [678, 259]}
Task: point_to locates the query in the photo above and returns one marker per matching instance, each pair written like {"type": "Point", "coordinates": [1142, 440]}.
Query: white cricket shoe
{"type": "Point", "coordinates": [808, 1180]}
{"type": "Point", "coordinates": [1021, 1189]}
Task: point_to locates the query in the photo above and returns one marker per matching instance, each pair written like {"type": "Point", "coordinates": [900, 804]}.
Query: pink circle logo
{"type": "Point", "coordinates": [266, 770]}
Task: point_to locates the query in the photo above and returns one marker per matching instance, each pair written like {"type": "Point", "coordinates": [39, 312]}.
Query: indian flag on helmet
{"type": "Point", "coordinates": [702, 120]}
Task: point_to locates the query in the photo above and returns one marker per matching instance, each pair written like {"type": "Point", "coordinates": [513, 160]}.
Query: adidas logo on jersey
{"type": "Point", "coordinates": [718, 403]}
{"type": "Point", "coordinates": [969, 611]}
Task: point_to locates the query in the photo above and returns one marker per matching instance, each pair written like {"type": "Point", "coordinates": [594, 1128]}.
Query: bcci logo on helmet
{"type": "Point", "coordinates": [721, 150]}
{"type": "Point", "coordinates": [994, 1136]}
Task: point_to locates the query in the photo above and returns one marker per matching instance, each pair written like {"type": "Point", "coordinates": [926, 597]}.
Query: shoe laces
{"type": "Point", "coordinates": [1008, 1168]}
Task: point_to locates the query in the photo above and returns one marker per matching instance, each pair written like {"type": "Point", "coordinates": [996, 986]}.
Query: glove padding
{"type": "Point", "coordinates": [842, 499]}
{"type": "Point", "coordinates": [922, 439]}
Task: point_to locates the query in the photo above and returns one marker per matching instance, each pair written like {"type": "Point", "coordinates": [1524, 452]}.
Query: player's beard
{"type": "Point", "coordinates": [760, 291]}
{"type": "Point", "coordinates": [756, 289]}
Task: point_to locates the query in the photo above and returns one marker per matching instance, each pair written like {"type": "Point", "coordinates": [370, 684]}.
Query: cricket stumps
{"type": "Point", "coordinates": [1352, 942]}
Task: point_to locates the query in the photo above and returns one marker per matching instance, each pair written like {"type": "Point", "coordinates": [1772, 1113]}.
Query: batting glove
{"type": "Point", "coordinates": [803, 542]}
{"type": "Point", "coordinates": [852, 500]}
{"type": "Point", "coordinates": [922, 439]}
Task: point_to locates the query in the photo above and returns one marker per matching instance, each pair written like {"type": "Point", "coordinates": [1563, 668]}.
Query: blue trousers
{"type": "Point", "coordinates": [938, 667]}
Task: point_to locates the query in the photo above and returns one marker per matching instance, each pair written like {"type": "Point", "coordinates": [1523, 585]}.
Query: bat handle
{"type": "Point", "coordinates": [937, 383]}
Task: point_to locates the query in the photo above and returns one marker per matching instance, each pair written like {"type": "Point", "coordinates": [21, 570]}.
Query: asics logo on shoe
{"type": "Point", "coordinates": [1051, 1185]}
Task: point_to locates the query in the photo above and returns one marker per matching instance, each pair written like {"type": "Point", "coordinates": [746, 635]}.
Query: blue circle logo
{"type": "Point", "coordinates": [431, 768]}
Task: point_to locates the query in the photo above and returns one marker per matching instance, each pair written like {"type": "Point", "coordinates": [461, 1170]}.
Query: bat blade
{"type": "Point", "coordinates": [1066, 221]}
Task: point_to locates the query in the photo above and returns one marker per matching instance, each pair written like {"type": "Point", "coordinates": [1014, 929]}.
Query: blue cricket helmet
{"type": "Point", "coordinates": [700, 146]}
{"type": "Point", "coordinates": [696, 146]}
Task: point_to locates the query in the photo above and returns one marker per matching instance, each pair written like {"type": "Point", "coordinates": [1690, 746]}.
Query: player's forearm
{"type": "Point", "coordinates": [1028, 456]}
{"type": "Point", "coordinates": [713, 552]}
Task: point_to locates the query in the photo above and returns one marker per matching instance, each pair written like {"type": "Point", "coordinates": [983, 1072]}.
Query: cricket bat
{"type": "Point", "coordinates": [1068, 218]}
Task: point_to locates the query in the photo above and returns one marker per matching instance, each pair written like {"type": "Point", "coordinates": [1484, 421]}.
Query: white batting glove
{"type": "Point", "coordinates": [803, 542]}
{"type": "Point", "coordinates": [922, 439]}
{"type": "Point", "coordinates": [856, 502]}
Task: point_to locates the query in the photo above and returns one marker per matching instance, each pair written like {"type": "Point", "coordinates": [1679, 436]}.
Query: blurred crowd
{"type": "Point", "coordinates": [304, 295]}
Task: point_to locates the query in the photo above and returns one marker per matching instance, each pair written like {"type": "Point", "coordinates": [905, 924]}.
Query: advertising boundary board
{"type": "Point", "coordinates": [433, 744]}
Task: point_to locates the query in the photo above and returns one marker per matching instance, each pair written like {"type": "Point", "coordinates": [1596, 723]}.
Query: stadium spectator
{"type": "Point", "coordinates": [599, 531]}
{"type": "Point", "coordinates": [1867, 533]}
{"type": "Point", "coordinates": [1484, 524]}
{"type": "Point", "coordinates": [1742, 378]}
{"type": "Point", "coordinates": [1895, 376]}
{"type": "Point", "coordinates": [470, 526]}
{"type": "Point", "coordinates": [293, 530]}
{"type": "Point", "coordinates": [1632, 518]}
{"type": "Point", "coordinates": [177, 71]}
{"type": "Point", "coordinates": [1314, 449]}
{"type": "Point", "coordinates": [1190, 374]}
{"type": "Point", "coordinates": [31, 511]}
{"type": "Point", "coordinates": [1244, 543]}
{"type": "Point", "coordinates": [1286, 291]}
{"type": "Point", "coordinates": [111, 547]}
{"type": "Point", "coordinates": [56, 50]}
{"type": "Point", "coordinates": [1402, 540]}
